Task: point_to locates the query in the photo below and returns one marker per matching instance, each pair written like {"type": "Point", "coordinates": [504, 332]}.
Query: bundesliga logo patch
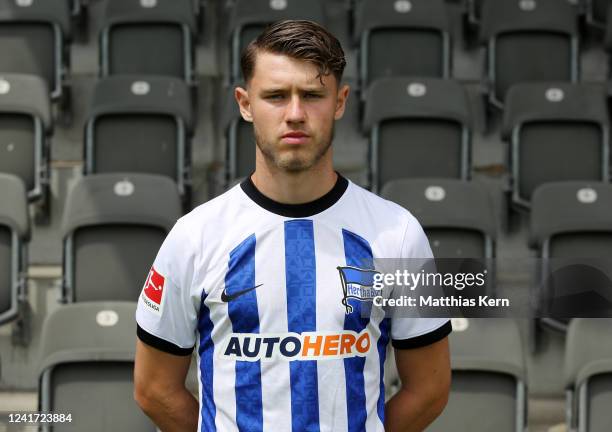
{"type": "Point", "coordinates": [153, 291]}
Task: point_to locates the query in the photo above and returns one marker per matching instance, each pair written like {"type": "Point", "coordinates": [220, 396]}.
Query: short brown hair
{"type": "Point", "coordinates": [298, 39]}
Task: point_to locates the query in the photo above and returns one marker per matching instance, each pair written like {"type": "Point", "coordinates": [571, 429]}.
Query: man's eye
{"type": "Point", "coordinates": [313, 95]}
{"type": "Point", "coordinates": [274, 96]}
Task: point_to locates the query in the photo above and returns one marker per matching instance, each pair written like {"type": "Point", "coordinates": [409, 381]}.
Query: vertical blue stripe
{"type": "Point", "coordinates": [358, 253]}
{"type": "Point", "coordinates": [385, 326]}
{"type": "Point", "coordinates": [206, 351]}
{"type": "Point", "coordinates": [244, 316]}
{"type": "Point", "coordinates": [300, 273]}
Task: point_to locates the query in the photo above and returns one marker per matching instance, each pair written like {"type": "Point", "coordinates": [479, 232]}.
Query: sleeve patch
{"type": "Point", "coordinates": [153, 292]}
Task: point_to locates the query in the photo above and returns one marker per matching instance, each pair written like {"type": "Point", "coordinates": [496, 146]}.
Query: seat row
{"type": "Point", "coordinates": [526, 40]}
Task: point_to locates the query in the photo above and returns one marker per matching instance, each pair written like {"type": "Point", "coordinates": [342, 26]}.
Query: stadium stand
{"type": "Point", "coordinates": [588, 375]}
{"type": "Point", "coordinates": [250, 17]}
{"type": "Point", "coordinates": [86, 368]}
{"type": "Point", "coordinates": [147, 116]}
{"type": "Point", "coordinates": [239, 142]}
{"type": "Point", "coordinates": [25, 128]}
{"type": "Point", "coordinates": [529, 40]}
{"type": "Point", "coordinates": [113, 226]}
{"type": "Point", "coordinates": [557, 132]}
{"type": "Point", "coordinates": [14, 236]}
{"type": "Point", "coordinates": [153, 37]}
{"type": "Point", "coordinates": [572, 230]}
{"type": "Point", "coordinates": [488, 376]}
{"type": "Point", "coordinates": [37, 34]}
{"type": "Point", "coordinates": [391, 34]}
{"type": "Point", "coordinates": [418, 127]}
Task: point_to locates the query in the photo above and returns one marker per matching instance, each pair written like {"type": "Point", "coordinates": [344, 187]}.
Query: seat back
{"type": "Point", "coordinates": [146, 116]}
{"type": "Point", "coordinates": [419, 127]}
{"type": "Point", "coordinates": [570, 225]}
{"type": "Point", "coordinates": [558, 132]}
{"type": "Point", "coordinates": [529, 41]}
{"type": "Point", "coordinates": [588, 373]}
{"type": "Point", "coordinates": [153, 39]}
{"type": "Point", "coordinates": [14, 234]}
{"type": "Point", "coordinates": [239, 141]}
{"type": "Point", "coordinates": [25, 123]}
{"type": "Point", "coordinates": [33, 34]}
{"type": "Point", "coordinates": [393, 33]}
{"type": "Point", "coordinates": [87, 361]}
{"type": "Point", "coordinates": [113, 226]}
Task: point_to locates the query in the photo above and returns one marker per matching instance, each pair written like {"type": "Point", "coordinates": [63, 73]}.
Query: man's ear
{"type": "Point", "coordinates": [343, 94]}
{"type": "Point", "coordinates": [242, 98]}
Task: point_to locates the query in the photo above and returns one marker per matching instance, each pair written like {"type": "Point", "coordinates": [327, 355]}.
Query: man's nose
{"type": "Point", "coordinates": [295, 110]}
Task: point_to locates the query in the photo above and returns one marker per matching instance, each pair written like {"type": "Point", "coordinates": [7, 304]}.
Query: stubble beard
{"type": "Point", "coordinates": [291, 162]}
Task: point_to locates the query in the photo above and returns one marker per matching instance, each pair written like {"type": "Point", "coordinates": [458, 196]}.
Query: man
{"type": "Point", "coordinates": [251, 278]}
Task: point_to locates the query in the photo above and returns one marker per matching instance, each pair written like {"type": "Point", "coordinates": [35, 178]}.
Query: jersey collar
{"type": "Point", "coordinates": [296, 210]}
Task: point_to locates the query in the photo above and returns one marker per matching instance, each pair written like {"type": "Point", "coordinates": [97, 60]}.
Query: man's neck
{"type": "Point", "coordinates": [295, 188]}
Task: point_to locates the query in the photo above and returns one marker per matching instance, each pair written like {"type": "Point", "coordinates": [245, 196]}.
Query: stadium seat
{"type": "Point", "coordinates": [25, 128]}
{"type": "Point", "coordinates": [34, 39]}
{"type": "Point", "coordinates": [528, 40]}
{"type": "Point", "coordinates": [418, 128]}
{"type": "Point", "coordinates": [588, 375]}
{"type": "Point", "coordinates": [140, 124]}
{"type": "Point", "coordinates": [113, 226]}
{"type": "Point", "coordinates": [14, 235]}
{"type": "Point", "coordinates": [392, 34]}
{"type": "Point", "coordinates": [239, 142]}
{"type": "Point", "coordinates": [457, 216]}
{"type": "Point", "coordinates": [250, 17]}
{"type": "Point", "coordinates": [571, 229]}
{"type": "Point", "coordinates": [488, 376]}
{"type": "Point", "coordinates": [152, 37]}
{"type": "Point", "coordinates": [87, 366]}
{"type": "Point", "coordinates": [557, 132]}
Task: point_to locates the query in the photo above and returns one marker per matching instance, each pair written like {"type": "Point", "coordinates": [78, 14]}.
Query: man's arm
{"type": "Point", "coordinates": [425, 375]}
{"type": "Point", "coordinates": [159, 389]}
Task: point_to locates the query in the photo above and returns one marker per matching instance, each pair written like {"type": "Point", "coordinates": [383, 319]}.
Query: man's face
{"type": "Point", "coordinates": [292, 110]}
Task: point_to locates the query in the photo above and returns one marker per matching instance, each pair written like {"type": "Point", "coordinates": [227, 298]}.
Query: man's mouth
{"type": "Point", "coordinates": [295, 138]}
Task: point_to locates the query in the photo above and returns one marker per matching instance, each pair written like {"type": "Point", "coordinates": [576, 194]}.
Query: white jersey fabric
{"type": "Point", "coordinates": [254, 286]}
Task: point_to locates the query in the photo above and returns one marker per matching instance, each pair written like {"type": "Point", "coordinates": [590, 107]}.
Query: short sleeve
{"type": "Point", "coordinates": [166, 315]}
{"type": "Point", "coordinates": [409, 332]}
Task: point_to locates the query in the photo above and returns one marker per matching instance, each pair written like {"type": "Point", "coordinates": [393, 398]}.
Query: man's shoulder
{"type": "Point", "coordinates": [386, 210]}
{"type": "Point", "coordinates": [214, 210]}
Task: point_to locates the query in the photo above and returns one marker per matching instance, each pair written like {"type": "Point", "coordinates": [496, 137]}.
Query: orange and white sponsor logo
{"type": "Point", "coordinates": [296, 346]}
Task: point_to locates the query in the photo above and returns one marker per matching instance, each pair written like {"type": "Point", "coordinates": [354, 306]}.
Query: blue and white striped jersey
{"type": "Point", "coordinates": [254, 286]}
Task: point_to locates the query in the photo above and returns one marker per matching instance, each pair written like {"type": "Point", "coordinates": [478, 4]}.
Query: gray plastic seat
{"type": "Point", "coordinates": [86, 368]}
{"type": "Point", "coordinates": [571, 228]}
{"type": "Point", "coordinates": [147, 116]}
{"type": "Point", "coordinates": [250, 17]}
{"type": "Point", "coordinates": [392, 34]}
{"type": "Point", "coordinates": [418, 127]}
{"type": "Point", "coordinates": [239, 142]}
{"type": "Point", "coordinates": [488, 375]}
{"type": "Point", "coordinates": [148, 37]}
{"type": "Point", "coordinates": [459, 221]}
{"type": "Point", "coordinates": [457, 216]}
{"type": "Point", "coordinates": [113, 226]}
{"type": "Point", "coordinates": [34, 38]}
{"type": "Point", "coordinates": [532, 40]}
{"type": "Point", "coordinates": [588, 375]}
{"type": "Point", "coordinates": [557, 132]}
{"type": "Point", "coordinates": [14, 236]}
{"type": "Point", "coordinates": [25, 128]}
